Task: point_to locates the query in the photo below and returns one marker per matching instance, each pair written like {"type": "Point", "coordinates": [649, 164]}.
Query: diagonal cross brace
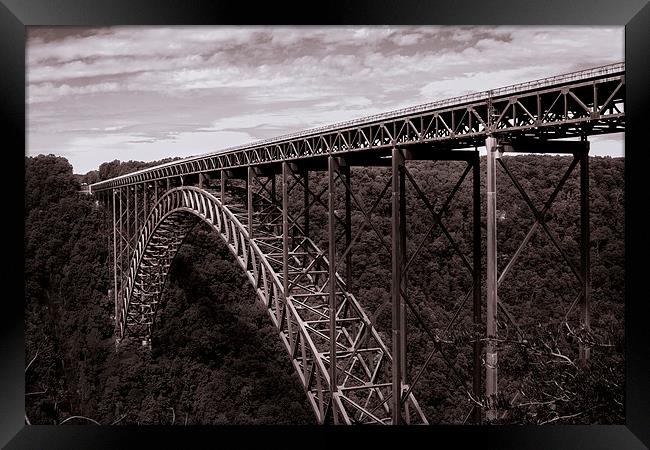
{"type": "Point", "coordinates": [540, 217]}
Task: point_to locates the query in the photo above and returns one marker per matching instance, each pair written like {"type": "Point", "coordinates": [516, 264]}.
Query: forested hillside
{"type": "Point", "coordinates": [216, 358]}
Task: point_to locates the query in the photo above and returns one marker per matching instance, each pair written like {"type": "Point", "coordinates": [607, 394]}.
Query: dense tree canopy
{"type": "Point", "coordinates": [117, 168]}
{"type": "Point", "coordinates": [216, 358]}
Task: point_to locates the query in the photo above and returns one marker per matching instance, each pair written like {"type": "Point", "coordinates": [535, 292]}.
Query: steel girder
{"type": "Point", "coordinates": [590, 101]}
{"type": "Point", "coordinates": [303, 316]}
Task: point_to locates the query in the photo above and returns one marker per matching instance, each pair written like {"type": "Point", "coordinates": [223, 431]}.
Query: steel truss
{"type": "Point", "coordinates": [279, 257]}
{"type": "Point", "coordinates": [551, 108]}
{"type": "Point", "coordinates": [495, 149]}
{"type": "Point", "coordinates": [402, 306]}
{"type": "Point", "coordinates": [274, 265]}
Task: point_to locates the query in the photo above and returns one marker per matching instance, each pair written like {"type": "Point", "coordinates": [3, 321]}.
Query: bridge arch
{"type": "Point", "coordinates": [360, 393]}
{"type": "Point", "coordinates": [171, 218]}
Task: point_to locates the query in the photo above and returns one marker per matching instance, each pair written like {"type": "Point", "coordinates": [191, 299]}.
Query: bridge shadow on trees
{"type": "Point", "coordinates": [213, 334]}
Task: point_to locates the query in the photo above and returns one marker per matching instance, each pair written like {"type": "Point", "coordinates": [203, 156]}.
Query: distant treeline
{"type": "Point", "coordinates": [217, 359]}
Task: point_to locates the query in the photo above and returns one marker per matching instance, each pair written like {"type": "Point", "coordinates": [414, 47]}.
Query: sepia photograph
{"type": "Point", "coordinates": [325, 225]}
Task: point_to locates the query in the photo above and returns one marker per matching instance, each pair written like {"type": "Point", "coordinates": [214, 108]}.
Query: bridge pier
{"type": "Point", "coordinates": [118, 309]}
{"type": "Point", "coordinates": [398, 240]}
{"type": "Point", "coordinates": [249, 197]}
{"type": "Point", "coordinates": [306, 202]}
{"type": "Point", "coordinates": [580, 151]}
{"type": "Point", "coordinates": [493, 153]}
{"type": "Point", "coordinates": [332, 167]}
{"type": "Point", "coordinates": [585, 250]}
{"type": "Point", "coordinates": [403, 315]}
{"type": "Point", "coordinates": [476, 282]}
{"type": "Point", "coordinates": [474, 268]}
{"type": "Point", "coordinates": [345, 173]}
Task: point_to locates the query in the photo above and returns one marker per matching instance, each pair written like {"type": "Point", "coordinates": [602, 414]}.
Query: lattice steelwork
{"type": "Point", "coordinates": [302, 317]}
{"type": "Point", "coordinates": [569, 105]}
{"type": "Point", "coordinates": [349, 373]}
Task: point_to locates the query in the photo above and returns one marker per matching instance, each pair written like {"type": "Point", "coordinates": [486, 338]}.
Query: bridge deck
{"type": "Point", "coordinates": [580, 103]}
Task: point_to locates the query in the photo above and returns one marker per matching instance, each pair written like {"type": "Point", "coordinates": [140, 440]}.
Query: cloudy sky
{"type": "Point", "coordinates": [145, 93]}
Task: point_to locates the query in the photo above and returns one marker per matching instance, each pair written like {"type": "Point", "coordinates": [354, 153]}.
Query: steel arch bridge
{"type": "Point", "coordinates": [349, 373]}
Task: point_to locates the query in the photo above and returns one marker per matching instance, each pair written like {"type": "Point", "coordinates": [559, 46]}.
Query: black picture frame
{"type": "Point", "coordinates": [15, 15]}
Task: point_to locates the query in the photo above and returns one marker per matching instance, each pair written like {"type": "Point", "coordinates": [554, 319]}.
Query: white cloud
{"type": "Point", "coordinates": [51, 92]}
{"type": "Point", "coordinates": [612, 145]}
{"type": "Point", "coordinates": [407, 39]}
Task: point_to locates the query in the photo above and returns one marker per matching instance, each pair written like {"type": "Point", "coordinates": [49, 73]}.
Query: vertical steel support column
{"type": "Point", "coordinates": [397, 162]}
{"type": "Point", "coordinates": [348, 227]}
{"type": "Point", "coordinates": [117, 319]}
{"type": "Point", "coordinates": [274, 200]}
{"type": "Point", "coordinates": [121, 233]}
{"type": "Point", "coordinates": [478, 272]}
{"type": "Point", "coordinates": [403, 285]}
{"type": "Point", "coordinates": [223, 186]}
{"type": "Point", "coordinates": [273, 189]}
{"type": "Point", "coordinates": [332, 166]}
{"type": "Point", "coordinates": [285, 229]}
{"type": "Point", "coordinates": [491, 350]}
{"type": "Point", "coordinates": [136, 229]}
{"type": "Point", "coordinates": [285, 236]}
{"type": "Point", "coordinates": [585, 259]}
{"type": "Point", "coordinates": [306, 199]}
{"type": "Point", "coordinates": [249, 185]}
{"type": "Point", "coordinates": [128, 220]}
{"type": "Point", "coordinates": [145, 189]}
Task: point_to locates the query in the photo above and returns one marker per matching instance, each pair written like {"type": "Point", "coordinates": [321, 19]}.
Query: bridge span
{"type": "Point", "coordinates": [352, 371]}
